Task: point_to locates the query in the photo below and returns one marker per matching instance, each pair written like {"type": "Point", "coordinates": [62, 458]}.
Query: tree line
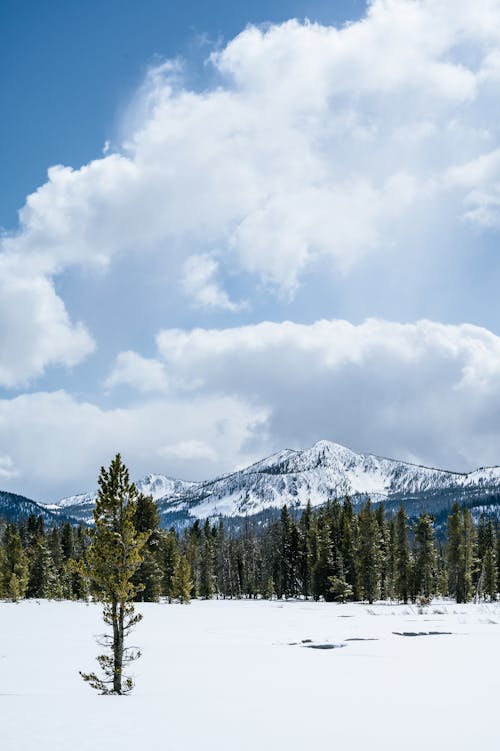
{"type": "Point", "coordinates": [332, 553]}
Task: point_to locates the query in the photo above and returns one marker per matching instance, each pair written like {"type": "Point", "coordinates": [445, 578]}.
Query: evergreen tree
{"type": "Point", "coordinates": [385, 578]}
{"type": "Point", "coordinates": [323, 567]}
{"type": "Point", "coordinates": [368, 554]}
{"type": "Point", "coordinates": [182, 584]}
{"type": "Point", "coordinates": [113, 558]}
{"type": "Point", "coordinates": [170, 558]}
{"type": "Point", "coordinates": [402, 559]}
{"type": "Point", "coordinates": [148, 577]}
{"type": "Point", "coordinates": [43, 581]}
{"type": "Point", "coordinates": [270, 590]}
{"type": "Point", "coordinates": [207, 575]}
{"type": "Point", "coordinates": [461, 554]}
{"type": "Point", "coordinates": [304, 556]}
{"type": "Point", "coordinates": [13, 565]}
{"type": "Point", "coordinates": [425, 556]}
{"type": "Point", "coordinates": [488, 579]}
{"type": "Point", "coordinates": [348, 543]}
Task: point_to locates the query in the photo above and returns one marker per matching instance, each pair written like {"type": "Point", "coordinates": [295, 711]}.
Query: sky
{"type": "Point", "coordinates": [229, 230]}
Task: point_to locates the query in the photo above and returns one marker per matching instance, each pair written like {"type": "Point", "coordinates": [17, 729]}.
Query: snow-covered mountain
{"type": "Point", "coordinates": [326, 470]}
{"type": "Point", "coordinates": [158, 486]}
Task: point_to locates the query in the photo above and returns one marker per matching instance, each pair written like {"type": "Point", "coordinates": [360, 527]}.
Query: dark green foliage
{"type": "Point", "coordinates": [425, 557]}
{"type": "Point", "coordinates": [148, 577]}
{"type": "Point", "coordinates": [402, 564]}
{"type": "Point", "coordinates": [13, 565]}
{"type": "Point", "coordinates": [182, 584]}
{"type": "Point", "coordinates": [113, 558]}
{"type": "Point", "coordinates": [331, 553]}
{"type": "Point", "coordinates": [461, 554]}
{"type": "Point", "coordinates": [368, 562]}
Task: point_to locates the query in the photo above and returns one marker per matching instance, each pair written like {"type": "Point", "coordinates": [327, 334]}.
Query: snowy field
{"type": "Point", "coordinates": [238, 675]}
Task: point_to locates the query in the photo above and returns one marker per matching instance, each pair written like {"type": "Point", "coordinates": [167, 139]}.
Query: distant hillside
{"type": "Point", "coordinates": [324, 471]}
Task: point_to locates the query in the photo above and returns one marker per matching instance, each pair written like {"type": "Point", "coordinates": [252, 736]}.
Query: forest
{"type": "Point", "coordinates": [334, 553]}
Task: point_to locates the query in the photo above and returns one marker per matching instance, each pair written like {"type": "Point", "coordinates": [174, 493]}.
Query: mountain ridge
{"type": "Point", "coordinates": [295, 476]}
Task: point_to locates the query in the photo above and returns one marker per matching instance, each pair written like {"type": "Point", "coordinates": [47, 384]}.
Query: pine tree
{"type": "Point", "coordinates": [270, 590]}
{"type": "Point", "coordinates": [43, 581]}
{"type": "Point", "coordinates": [304, 558]}
{"type": "Point", "coordinates": [13, 565]}
{"type": "Point", "coordinates": [402, 562]}
{"type": "Point", "coordinates": [113, 558]}
{"type": "Point", "coordinates": [170, 558]}
{"type": "Point", "coordinates": [368, 554]}
{"type": "Point", "coordinates": [461, 553]}
{"type": "Point", "coordinates": [207, 576]}
{"type": "Point", "coordinates": [425, 556]}
{"type": "Point", "coordinates": [148, 577]}
{"type": "Point", "coordinates": [323, 567]}
{"type": "Point", "coordinates": [488, 578]}
{"type": "Point", "coordinates": [182, 585]}
{"type": "Point", "coordinates": [384, 551]}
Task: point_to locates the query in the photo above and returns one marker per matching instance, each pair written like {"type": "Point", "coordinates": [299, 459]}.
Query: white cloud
{"type": "Point", "coordinates": [140, 373]}
{"type": "Point", "coordinates": [201, 286]}
{"type": "Point", "coordinates": [7, 468]}
{"type": "Point", "coordinates": [58, 443]}
{"type": "Point", "coordinates": [314, 148]}
{"type": "Point", "coordinates": [315, 145]}
{"type": "Point", "coordinates": [35, 329]}
{"type": "Point", "coordinates": [188, 450]}
{"type": "Point", "coordinates": [423, 390]}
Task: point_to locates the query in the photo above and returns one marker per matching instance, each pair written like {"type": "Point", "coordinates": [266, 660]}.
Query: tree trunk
{"type": "Point", "coordinates": [117, 647]}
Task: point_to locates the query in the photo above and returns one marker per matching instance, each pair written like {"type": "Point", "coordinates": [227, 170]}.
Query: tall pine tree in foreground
{"type": "Point", "coordinates": [113, 558]}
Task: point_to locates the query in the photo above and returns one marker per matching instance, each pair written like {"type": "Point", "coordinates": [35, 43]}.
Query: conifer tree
{"type": "Point", "coordinates": [270, 590]}
{"type": "Point", "coordinates": [304, 557]}
{"type": "Point", "coordinates": [148, 577]}
{"type": "Point", "coordinates": [323, 567]}
{"type": "Point", "coordinates": [402, 560]}
{"type": "Point", "coordinates": [170, 558]}
{"type": "Point", "coordinates": [368, 554]}
{"type": "Point", "coordinates": [207, 576]}
{"type": "Point", "coordinates": [113, 558]}
{"type": "Point", "coordinates": [461, 553]}
{"type": "Point", "coordinates": [43, 581]}
{"type": "Point", "coordinates": [13, 565]}
{"type": "Point", "coordinates": [348, 542]}
{"type": "Point", "coordinates": [425, 556]}
{"type": "Point", "coordinates": [182, 585]}
{"type": "Point", "coordinates": [488, 578]}
{"type": "Point", "coordinates": [384, 551]}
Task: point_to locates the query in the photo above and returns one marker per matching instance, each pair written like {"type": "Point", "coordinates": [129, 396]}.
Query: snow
{"type": "Point", "coordinates": [295, 477]}
{"type": "Point", "coordinates": [234, 675]}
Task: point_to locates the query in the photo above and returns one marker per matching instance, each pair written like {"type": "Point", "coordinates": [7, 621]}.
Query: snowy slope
{"type": "Point", "coordinates": [157, 486]}
{"type": "Point", "coordinates": [266, 690]}
{"type": "Point", "coordinates": [326, 470]}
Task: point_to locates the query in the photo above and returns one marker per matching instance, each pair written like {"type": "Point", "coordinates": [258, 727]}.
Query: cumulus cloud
{"type": "Point", "coordinates": [140, 373]}
{"type": "Point", "coordinates": [35, 328]}
{"type": "Point", "coordinates": [423, 391]}
{"type": "Point", "coordinates": [311, 149]}
{"type": "Point", "coordinates": [201, 285]}
{"type": "Point", "coordinates": [8, 470]}
{"type": "Point", "coordinates": [59, 443]}
{"type": "Point", "coordinates": [315, 145]}
{"type": "Point", "coordinates": [188, 450]}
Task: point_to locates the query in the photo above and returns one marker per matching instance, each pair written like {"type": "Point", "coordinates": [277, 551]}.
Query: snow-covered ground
{"type": "Point", "coordinates": [237, 676]}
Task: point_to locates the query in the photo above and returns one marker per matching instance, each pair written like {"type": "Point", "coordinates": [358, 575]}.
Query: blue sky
{"type": "Point", "coordinates": [256, 231]}
{"type": "Point", "coordinates": [68, 68]}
